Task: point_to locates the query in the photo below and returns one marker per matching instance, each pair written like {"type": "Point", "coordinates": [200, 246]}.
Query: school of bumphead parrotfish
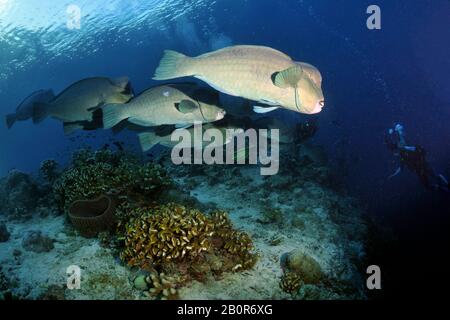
{"type": "Point", "coordinates": [261, 74]}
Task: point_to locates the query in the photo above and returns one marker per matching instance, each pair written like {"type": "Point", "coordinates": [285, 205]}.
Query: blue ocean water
{"type": "Point", "coordinates": [372, 79]}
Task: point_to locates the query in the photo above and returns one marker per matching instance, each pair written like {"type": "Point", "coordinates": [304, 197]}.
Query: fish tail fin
{"type": "Point", "coordinates": [40, 111]}
{"type": "Point", "coordinates": [148, 140]}
{"type": "Point", "coordinates": [173, 65]}
{"type": "Point", "coordinates": [112, 114]}
{"type": "Point", "coordinates": [10, 119]}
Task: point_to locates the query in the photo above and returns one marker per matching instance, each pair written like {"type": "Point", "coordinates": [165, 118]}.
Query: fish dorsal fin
{"type": "Point", "coordinates": [121, 82]}
{"type": "Point", "coordinates": [186, 106]}
{"type": "Point", "coordinates": [288, 78]}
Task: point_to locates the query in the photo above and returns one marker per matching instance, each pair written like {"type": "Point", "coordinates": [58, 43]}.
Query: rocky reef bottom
{"type": "Point", "coordinates": [294, 235]}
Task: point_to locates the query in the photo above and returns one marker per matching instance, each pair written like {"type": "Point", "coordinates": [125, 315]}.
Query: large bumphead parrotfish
{"type": "Point", "coordinates": [25, 109]}
{"type": "Point", "coordinates": [75, 106]}
{"type": "Point", "coordinates": [148, 140]}
{"type": "Point", "coordinates": [256, 73]}
{"type": "Point", "coordinates": [173, 104]}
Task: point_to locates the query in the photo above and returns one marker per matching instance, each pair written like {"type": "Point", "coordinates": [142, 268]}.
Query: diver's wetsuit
{"type": "Point", "coordinates": [416, 162]}
{"type": "Point", "coordinates": [414, 158]}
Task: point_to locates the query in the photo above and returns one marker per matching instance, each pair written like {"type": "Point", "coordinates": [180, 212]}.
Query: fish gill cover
{"type": "Point", "coordinates": [92, 213]}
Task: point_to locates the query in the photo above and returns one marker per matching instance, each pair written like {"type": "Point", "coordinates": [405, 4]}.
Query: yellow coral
{"type": "Point", "coordinates": [290, 282]}
{"type": "Point", "coordinates": [173, 233]}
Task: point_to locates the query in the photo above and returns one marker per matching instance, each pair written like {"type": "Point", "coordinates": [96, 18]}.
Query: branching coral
{"type": "Point", "coordinates": [290, 282]}
{"type": "Point", "coordinates": [49, 170]}
{"type": "Point", "coordinates": [168, 233]}
{"type": "Point", "coordinates": [181, 240]}
{"type": "Point", "coordinates": [162, 286]}
{"type": "Point", "coordinates": [233, 242]}
{"type": "Point", "coordinates": [100, 172]}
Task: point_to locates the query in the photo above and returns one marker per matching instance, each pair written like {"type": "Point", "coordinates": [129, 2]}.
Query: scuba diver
{"type": "Point", "coordinates": [414, 158]}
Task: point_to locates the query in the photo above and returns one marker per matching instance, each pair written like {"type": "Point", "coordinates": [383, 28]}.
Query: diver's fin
{"type": "Point", "coordinates": [173, 65]}
{"type": "Point", "coordinates": [70, 128]}
{"type": "Point", "coordinates": [259, 109]}
{"type": "Point", "coordinates": [10, 119]}
{"type": "Point", "coordinates": [112, 114]}
{"type": "Point", "coordinates": [443, 179]}
{"type": "Point", "coordinates": [288, 78]}
{"type": "Point", "coordinates": [399, 169]}
{"type": "Point", "coordinates": [40, 111]}
{"type": "Point", "coordinates": [148, 140]}
{"type": "Point", "coordinates": [182, 126]}
{"type": "Point", "coordinates": [186, 106]}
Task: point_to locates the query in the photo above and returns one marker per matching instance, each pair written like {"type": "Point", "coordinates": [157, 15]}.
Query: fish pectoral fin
{"type": "Point", "coordinates": [182, 126]}
{"type": "Point", "coordinates": [288, 78]}
{"type": "Point", "coordinates": [140, 122]}
{"type": "Point", "coordinates": [259, 109]}
{"type": "Point", "coordinates": [186, 106]}
{"type": "Point", "coordinates": [148, 140]}
{"type": "Point", "coordinates": [268, 102]}
{"type": "Point", "coordinates": [70, 128]}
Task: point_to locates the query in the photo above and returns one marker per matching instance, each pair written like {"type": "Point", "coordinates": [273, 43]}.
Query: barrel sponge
{"type": "Point", "coordinates": [90, 217]}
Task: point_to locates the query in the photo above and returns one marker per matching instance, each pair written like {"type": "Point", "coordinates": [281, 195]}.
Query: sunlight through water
{"type": "Point", "coordinates": [70, 28]}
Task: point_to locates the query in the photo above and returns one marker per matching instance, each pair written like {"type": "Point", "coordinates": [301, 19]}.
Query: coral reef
{"type": "Point", "coordinates": [177, 249]}
{"type": "Point", "coordinates": [20, 195]}
{"type": "Point", "coordinates": [300, 263]}
{"type": "Point", "coordinates": [162, 286]}
{"type": "Point", "coordinates": [49, 170]}
{"type": "Point", "coordinates": [290, 282]}
{"type": "Point", "coordinates": [177, 240]}
{"type": "Point", "coordinates": [105, 172]}
{"type": "Point", "coordinates": [37, 242]}
{"type": "Point", "coordinates": [157, 285]}
{"type": "Point", "coordinates": [300, 270]}
{"type": "Point", "coordinates": [4, 234]}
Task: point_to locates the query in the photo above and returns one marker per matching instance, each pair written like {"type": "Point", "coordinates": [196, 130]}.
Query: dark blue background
{"type": "Point", "coordinates": [372, 79]}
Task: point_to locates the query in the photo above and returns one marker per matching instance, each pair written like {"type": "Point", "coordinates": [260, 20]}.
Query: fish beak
{"type": "Point", "coordinates": [319, 105]}
{"type": "Point", "coordinates": [221, 115]}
